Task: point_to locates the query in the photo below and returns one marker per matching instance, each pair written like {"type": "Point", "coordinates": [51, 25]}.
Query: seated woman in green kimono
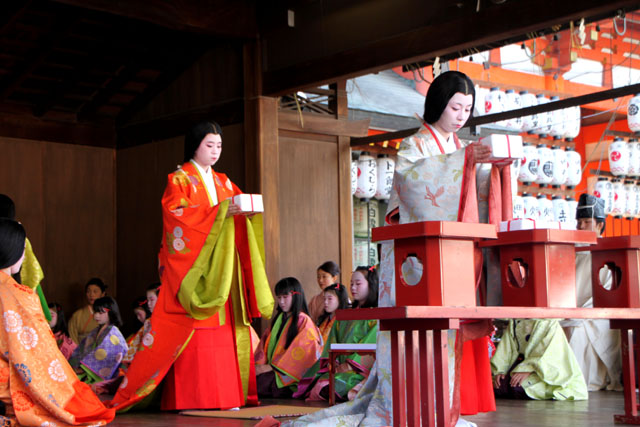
{"type": "Point", "coordinates": [352, 369]}
{"type": "Point", "coordinates": [534, 361]}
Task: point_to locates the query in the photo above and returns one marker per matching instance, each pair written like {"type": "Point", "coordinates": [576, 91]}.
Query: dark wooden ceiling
{"type": "Point", "coordinates": [80, 70]}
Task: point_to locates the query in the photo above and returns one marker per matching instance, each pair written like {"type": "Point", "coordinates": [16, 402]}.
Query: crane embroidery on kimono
{"type": "Point", "coordinates": [433, 197]}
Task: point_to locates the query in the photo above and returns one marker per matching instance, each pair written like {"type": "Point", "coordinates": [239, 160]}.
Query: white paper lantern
{"type": "Point", "coordinates": [513, 102]}
{"type": "Point", "coordinates": [560, 209]}
{"type": "Point", "coordinates": [354, 176]}
{"type": "Point", "coordinates": [603, 191]}
{"type": "Point", "coordinates": [367, 176]}
{"type": "Point", "coordinates": [545, 208]}
{"type": "Point", "coordinates": [528, 164]}
{"type": "Point", "coordinates": [574, 167]}
{"type": "Point", "coordinates": [633, 114]}
{"type": "Point", "coordinates": [528, 100]}
{"type": "Point", "coordinates": [633, 146]}
{"type": "Point", "coordinates": [572, 122]}
{"type": "Point", "coordinates": [618, 157]}
{"type": "Point", "coordinates": [619, 197]}
{"type": "Point", "coordinates": [555, 120]}
{"type": "Point", "coordinates": [518, 207]}
{"type": "Point", "coordinates": [629, 198]}
{"type": "Point", "coordinates": [481, 94]}
{"type": "Point", "coordinates": [385, 167]}
{"type": "Point", "coordinates": [494, 102]}
{"type": "Point", "coordinates": [541, 125]}
{"type": "Point", "coordinates": [572, 207]}
{"type": "Point", "coordinates": [530, 204]}
{"type": "Point", "coordinates": [545, 165]}
{"type": "Point", "coordinates": [560, 170]}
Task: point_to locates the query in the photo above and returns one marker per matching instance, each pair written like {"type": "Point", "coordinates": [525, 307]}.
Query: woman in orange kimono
{"type": "Point", "coordinates": [211, 267]}
{"type": "Point", "coordinates": [37, 385]}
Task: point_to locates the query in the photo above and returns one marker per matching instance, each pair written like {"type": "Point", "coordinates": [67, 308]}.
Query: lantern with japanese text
{"type": "Point", "coordinates": [385, 166]}
{"type": "Point", "coordinates": [618, 157]}
{"type": "Point", "coordinates": [367, 176]}
{"type": "Point", "coordinates": [560, 169]}
{"type": "Point", "coordinates": [545, 165]}
{"type": "Point", "coordinates": [528, 164]}
{"type": "Point", "coordinates": [604, 191]}
{"type": "Point", "coordinates": [574, 167]}
{"type": "Point", "coordinates": [633, 113]}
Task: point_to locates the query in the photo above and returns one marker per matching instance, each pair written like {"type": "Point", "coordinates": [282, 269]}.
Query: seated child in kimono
{"type": "Point", "coordinates": [141, 313]}
{"type": "Point", "coordinates": [335, 298]}
{"type": "Point", "coordinates": [58, 326]}
{"type": "Point", "coordinates": [534, 361]}
{"type": "Point", "coordinates": [135, 342]}
{"type": "Point", "coordinates": [98, 356]}
{"type": "Point", "coordinates": [291, 344]}
{"type": "Point", "coordinates": [327, 274]}
{"type": "Point", "coordinates": [353, 369]}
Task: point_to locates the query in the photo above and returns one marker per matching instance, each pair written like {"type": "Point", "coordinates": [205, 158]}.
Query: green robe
{"type": "Point", "coordinates": [555, 373]}
{"type": "Point", "coordinates": [343, 332]}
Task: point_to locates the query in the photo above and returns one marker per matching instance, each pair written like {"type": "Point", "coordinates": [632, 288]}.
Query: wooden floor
{"type": "Point", "coordinates": [598, 411]}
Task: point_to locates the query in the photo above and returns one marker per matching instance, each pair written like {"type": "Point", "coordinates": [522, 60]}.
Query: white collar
{"type": "Point", "coordinates": [439, 135]}
{"type": "Point", "coordinates": [202, 171]}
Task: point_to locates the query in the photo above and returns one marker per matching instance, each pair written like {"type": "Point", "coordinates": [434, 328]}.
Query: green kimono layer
{"type": "Point", "coordinates": [344, 332]}
{"type": "Point", "coordinates": [555, 373]}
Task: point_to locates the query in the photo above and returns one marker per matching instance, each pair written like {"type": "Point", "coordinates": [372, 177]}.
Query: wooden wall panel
{"type": "Point", "coordinates": [309, 208]}
{"type": "Point", "coordinates": [79, 213]}
{"type": "Point", "coordinates": [65, 197]}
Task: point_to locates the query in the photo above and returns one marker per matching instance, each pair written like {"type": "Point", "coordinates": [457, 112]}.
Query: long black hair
{"type": "Point", "coordinates": [290, 285]}
{"type": "Point", "coordinates": [196, 134]}
{"type": "Point", "coordinates": [61, 322]}
{"type": "Point", "coordinates": [343, 299]}
{"type": "Point", "coordinates": [7, 207]}
{"type": "Point", "coordinates": [109, 305]}
{"type": "Point", "coordinates": [12, 237]}
{"type": "Point", "coordinates": [371, 274]}
{"type": "Point", "coordinates": [442, 90]}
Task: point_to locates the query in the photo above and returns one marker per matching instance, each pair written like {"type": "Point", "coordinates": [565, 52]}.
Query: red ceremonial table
{"type": "Point", "coordinates": [419, 364]}
{"type": "Point", "coordinates": [538, 282]}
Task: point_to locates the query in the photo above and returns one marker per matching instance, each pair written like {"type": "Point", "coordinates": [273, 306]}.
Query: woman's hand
{"type": "Point", "coordinates": [518, 377]}
{"type": "Point", "coordinates": [480, 153]}
{"type": "Point", "coordinates": [497, 379]}
{"type": "Point", "coordinates": [233, 210]}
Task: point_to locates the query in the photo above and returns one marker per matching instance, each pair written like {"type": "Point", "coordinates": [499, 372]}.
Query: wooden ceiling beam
{"type": "Point", "coordinates": [227, 18]}
{"type": "Point", "coordinates": [28, 127]}
{"type": "Point", "coordinates": [442, 35]}
{"type": "Point", "coordinates": [225, 113]}
{"type": "Point", "coordinates": [115, 85]}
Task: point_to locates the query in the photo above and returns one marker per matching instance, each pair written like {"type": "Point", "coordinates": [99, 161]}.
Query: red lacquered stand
{"type": "Point", "coordinates": [622, 256]}
{"type": "Point", "coordinates": [419, 358]}
{"type": "Point", "coordinates": [447, 252]}
{"type": "Point", "coordinates": [538, 267]}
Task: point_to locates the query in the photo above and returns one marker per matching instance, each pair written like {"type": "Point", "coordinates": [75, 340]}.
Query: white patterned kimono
{"type": "Point", "coordinates": [427, 187]}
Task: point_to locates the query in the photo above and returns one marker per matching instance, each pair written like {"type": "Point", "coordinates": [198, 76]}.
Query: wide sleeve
{"type": "Point", "coordinates": [506, 353]}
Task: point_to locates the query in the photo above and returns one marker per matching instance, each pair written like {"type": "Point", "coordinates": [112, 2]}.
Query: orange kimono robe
{"type": "Point", "coordinates": [213, 284]}
{"type": "Point", "coordinates": [290, 364]}
{"type": "Point", "coordinates": [37, 385]}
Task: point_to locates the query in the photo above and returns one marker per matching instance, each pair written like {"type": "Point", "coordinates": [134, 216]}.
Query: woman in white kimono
{"type": "Point", "coordinates": [434, 179]}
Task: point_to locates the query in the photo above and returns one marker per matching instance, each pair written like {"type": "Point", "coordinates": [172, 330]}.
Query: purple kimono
{"type": "Point", "coordinates": [99, 355]}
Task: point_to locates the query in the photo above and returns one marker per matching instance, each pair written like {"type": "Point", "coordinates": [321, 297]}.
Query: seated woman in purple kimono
{"type": "Point", "coordinates": [98, 357]}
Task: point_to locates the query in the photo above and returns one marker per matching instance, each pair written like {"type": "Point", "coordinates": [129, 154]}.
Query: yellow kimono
{"type": "Point", "coordinates": [37, 385]}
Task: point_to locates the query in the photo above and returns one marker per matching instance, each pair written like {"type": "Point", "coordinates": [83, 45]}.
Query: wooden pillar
{"type": "Point", "coordinates": [345, 208]}
{"type": "Point", "coordinates": [261, 153]}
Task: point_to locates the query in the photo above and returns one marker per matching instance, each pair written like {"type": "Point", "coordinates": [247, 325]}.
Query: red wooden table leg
{"type": "Point", "coordinates": [413, 381]}
{"type": "Point", "coordinates": [441, 356]}
{"type": "Point", "coordinates": [426, 379]}
{"type": "Point", "coordinates": [629, 377]}
{"type": "Point", "coordinates": [397, 379]}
